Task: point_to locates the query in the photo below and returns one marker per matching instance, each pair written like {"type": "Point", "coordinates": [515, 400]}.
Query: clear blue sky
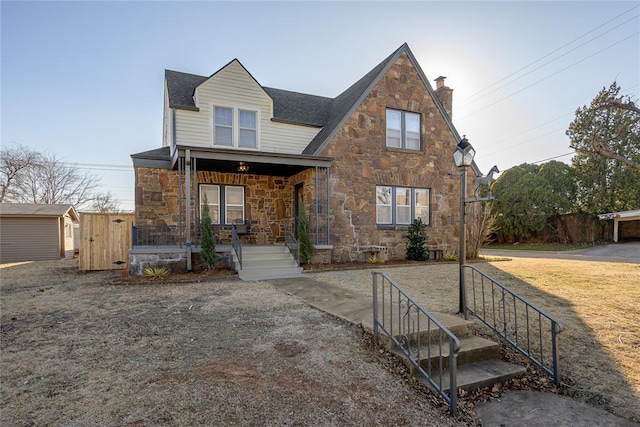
{"type": "Point", "coordinates": [84, 80]}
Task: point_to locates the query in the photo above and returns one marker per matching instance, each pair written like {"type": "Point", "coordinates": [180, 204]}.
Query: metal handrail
{"type": "Point", "coordinates": [515, 320]}
{"type": "Point", "coordinates": [236, 243]}
{"type": "Point", "coordinates": [292, 244]}
{"type": "Point", "coordinates": [415, 332]}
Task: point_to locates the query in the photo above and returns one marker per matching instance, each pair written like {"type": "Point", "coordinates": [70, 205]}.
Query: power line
{"type": "Point", "coordinates": [627, 93]}
{"type": "Point", "coordinates": [560, 48]}
{"type": "Point", "coordinates": [540, 66]}
{"type": "Point", "coordinates": [554, 157]}
{"type": "Point", "coordinates": [549, 76]}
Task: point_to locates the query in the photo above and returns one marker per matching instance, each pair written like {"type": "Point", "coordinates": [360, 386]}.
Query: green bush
{"type": "Point", "coordinates": [208, 251]}
{"type": "Point", "coordinates": [305, 245]}
{"type": "Point", "coordinates": [417, 245]}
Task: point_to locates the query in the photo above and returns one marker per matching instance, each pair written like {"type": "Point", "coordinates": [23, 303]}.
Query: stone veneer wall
{"type": "Point", "coordinates": [362, 161]}
{"type": "Point", "coordinates": [269, 201]}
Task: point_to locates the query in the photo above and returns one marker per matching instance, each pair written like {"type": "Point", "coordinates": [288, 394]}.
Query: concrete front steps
{"type": "Point", "coordinates": [262, 262]}
{"type": "Point", "coordinates": [478, 363]}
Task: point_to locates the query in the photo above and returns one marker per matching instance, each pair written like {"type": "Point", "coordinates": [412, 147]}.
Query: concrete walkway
{"type": "Point", "coordinates": [619, 252]}
{"type": "Point", "coordinates": [514, 408]}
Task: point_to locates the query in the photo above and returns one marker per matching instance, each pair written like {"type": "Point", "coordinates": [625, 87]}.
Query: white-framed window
{"type": "Point", "coordinates": [223, 126]}
{"type": "Point", "coordinates": [401, 205]}
{"type": "Point", "coordinates": [226, 203]}
{"type": "Point", "coordinates": [234, 204]}
{"type": "Point", "coordinates": [403, 129]}
{"type": "Point", "coordinates": [384, 213]}
{"type": "Point", "coordinates": [422, 204]}
{"type": "Point", "coordinates": [210, 195]}
{"type": "Point", "coordinates": [235, 127]}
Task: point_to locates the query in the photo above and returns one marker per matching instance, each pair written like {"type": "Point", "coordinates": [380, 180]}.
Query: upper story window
{"type": "Point", "coordinates": [403, 129]}
{"type": "Point", "coordinates": [401, 205]}
{"type": "Point", "coordinates": [235, 127]}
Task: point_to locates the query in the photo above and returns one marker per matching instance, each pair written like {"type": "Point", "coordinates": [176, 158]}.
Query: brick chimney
{"type": "Point", "coordinates": [445, 95]}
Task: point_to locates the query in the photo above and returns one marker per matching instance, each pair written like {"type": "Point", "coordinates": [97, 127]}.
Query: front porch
{"type": "Point", "coordinates": [256, 194]}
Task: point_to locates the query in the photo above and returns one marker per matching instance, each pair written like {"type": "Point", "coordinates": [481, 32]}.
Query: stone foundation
{"type": "Point", "coordinates": [175, 259]}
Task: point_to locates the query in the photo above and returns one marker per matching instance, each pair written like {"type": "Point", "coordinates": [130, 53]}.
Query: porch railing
{"type": "Point", "coordinates": [236, 243]}
{"type": "Point", "coordinates": [153, 235]}
{"type": "Point", "coordinates": [524, 326]}
{"type": "Point", "coordinates": [417, 334]}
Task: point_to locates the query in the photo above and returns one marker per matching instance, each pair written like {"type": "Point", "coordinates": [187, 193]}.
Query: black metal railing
{"type": "Point", "coordinates": [292, 244]}
{"type": "Point", "coordinates": [236, 243]}
{"type": "Point", "coordinates": [417, 334]}
{"type": "Point", "coordinates": [154, 235]}
{"type": "Point", "coordinates": [524, 326]}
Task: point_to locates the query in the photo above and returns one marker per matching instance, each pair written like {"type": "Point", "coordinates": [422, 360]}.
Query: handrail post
{"type": "Point", "coordinates": [375, 309]}
{"type": "Point", "coordinates": [554, 353]}
{"type": "Point", "coordinates": [453, 386]}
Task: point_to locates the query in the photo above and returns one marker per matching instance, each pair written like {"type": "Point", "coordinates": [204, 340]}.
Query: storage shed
{"type": "Point", "coordinates": [33, 232]}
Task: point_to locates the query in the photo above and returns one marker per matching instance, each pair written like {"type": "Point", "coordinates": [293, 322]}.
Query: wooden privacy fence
{"type": "Point", "coordinates": [105, 240]}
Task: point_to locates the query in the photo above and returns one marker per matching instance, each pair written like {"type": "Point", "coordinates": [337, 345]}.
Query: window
{"type": "Point", "coordinates": [383, 207]}
{"type": "Point", "coordinates": [233, 127]}
{"type": "Point", "coordinates": [401, 205]}
{"type": "Point", "coordinates": [248, 129]}
{"type": "Point", "coordinates": [234, 204]}
{"type": "Point", "coordinates": [226, 203]}
{"type": "Point", "coordinates": [223, 122]}
{"type": "Point", "coordinates": [210, 195]}
{"type": "Point", "coordinates": [68, 228]}
{"type": "Point", "coordinates": [403, 130]}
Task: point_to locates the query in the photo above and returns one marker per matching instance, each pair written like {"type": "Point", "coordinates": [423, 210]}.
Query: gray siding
{"type": "Point", "coordinates": [29, 239]}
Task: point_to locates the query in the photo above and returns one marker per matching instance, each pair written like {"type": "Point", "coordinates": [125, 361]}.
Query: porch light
{"type": "Point", "coordinates": [243, 167]}
{"type": "Point", "coordinates": [463, 158]}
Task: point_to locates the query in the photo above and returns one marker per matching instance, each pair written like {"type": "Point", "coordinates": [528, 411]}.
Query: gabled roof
{"type": "Point", "coordinates": [181, 87]}
{"type": "Point", "coordinates": [312, 110]}
{"type": "Point", "coordinates": [346, 103]}
{"type": "Point", "coordinates": [38, 210]}
{"type": "Point", "coordinates": [288, 107]}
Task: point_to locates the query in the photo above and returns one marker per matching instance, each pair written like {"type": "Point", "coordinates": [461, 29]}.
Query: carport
{"type": "Point", "coordinates": [617, 217]}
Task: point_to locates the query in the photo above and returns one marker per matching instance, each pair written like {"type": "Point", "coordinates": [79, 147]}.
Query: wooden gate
{"type": "Point", "coordinates": [105, 240]}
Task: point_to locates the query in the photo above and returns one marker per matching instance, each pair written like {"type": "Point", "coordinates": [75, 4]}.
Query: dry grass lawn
{"type": "Point", "coordinates": [77, 351]}
{"type": "Point", "coordinates": [597, 303]}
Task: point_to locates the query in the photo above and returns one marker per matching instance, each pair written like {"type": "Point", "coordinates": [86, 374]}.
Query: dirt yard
{"type": "Point", "coordinates": [79, 351]}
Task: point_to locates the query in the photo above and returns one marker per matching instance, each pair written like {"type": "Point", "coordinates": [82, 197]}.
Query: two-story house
{"type": "Point", "coordinates": [363, 165]}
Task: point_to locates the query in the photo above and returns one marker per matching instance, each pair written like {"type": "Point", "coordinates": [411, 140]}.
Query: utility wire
{"type": "Point", "coordinates": [556, 50]}
{"type": "Point", "coordinates": [549, 76]}
{"type": "Point", "coordinates": [540, 66]}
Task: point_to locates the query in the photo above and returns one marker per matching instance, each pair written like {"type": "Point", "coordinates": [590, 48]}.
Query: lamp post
{"type": "Point", "coordinates": [463, 157]}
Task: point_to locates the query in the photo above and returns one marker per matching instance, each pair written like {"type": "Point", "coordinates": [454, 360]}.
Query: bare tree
{"type": "Point", "coordinates": [105, 202]}
{"type": "Point", "coordinates": [15, 162]}
{"type": "Point", "coordinates": [31, 177]}
{"type": "Point", "coordinates": [481, 225]}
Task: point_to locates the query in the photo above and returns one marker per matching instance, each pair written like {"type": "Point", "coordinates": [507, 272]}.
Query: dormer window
{"type": "Point", "coordinates": [235, 127]}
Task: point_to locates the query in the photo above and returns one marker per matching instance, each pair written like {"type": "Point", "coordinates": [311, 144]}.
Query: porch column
{"type": "Point", "coordinates": [187, 185]}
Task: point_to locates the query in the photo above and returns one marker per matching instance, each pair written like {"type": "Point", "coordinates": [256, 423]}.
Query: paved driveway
{"type": "Point", "coordinates": [619, 252]}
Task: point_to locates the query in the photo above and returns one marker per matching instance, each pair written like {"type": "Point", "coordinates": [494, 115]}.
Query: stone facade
{"type": "Point", "coordinates": [362, 161]}
{"type": "Point", "coordinates": [268, 201]}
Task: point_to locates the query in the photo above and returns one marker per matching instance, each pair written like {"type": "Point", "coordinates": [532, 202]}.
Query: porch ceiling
{"type": "Point", "coordinates": [259, 163]}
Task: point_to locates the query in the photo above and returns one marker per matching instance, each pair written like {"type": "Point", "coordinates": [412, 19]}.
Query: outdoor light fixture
{"type": "Point", "coordinates": [463, 158]}
{"type": "Point", "coordinates": [243, 167]}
